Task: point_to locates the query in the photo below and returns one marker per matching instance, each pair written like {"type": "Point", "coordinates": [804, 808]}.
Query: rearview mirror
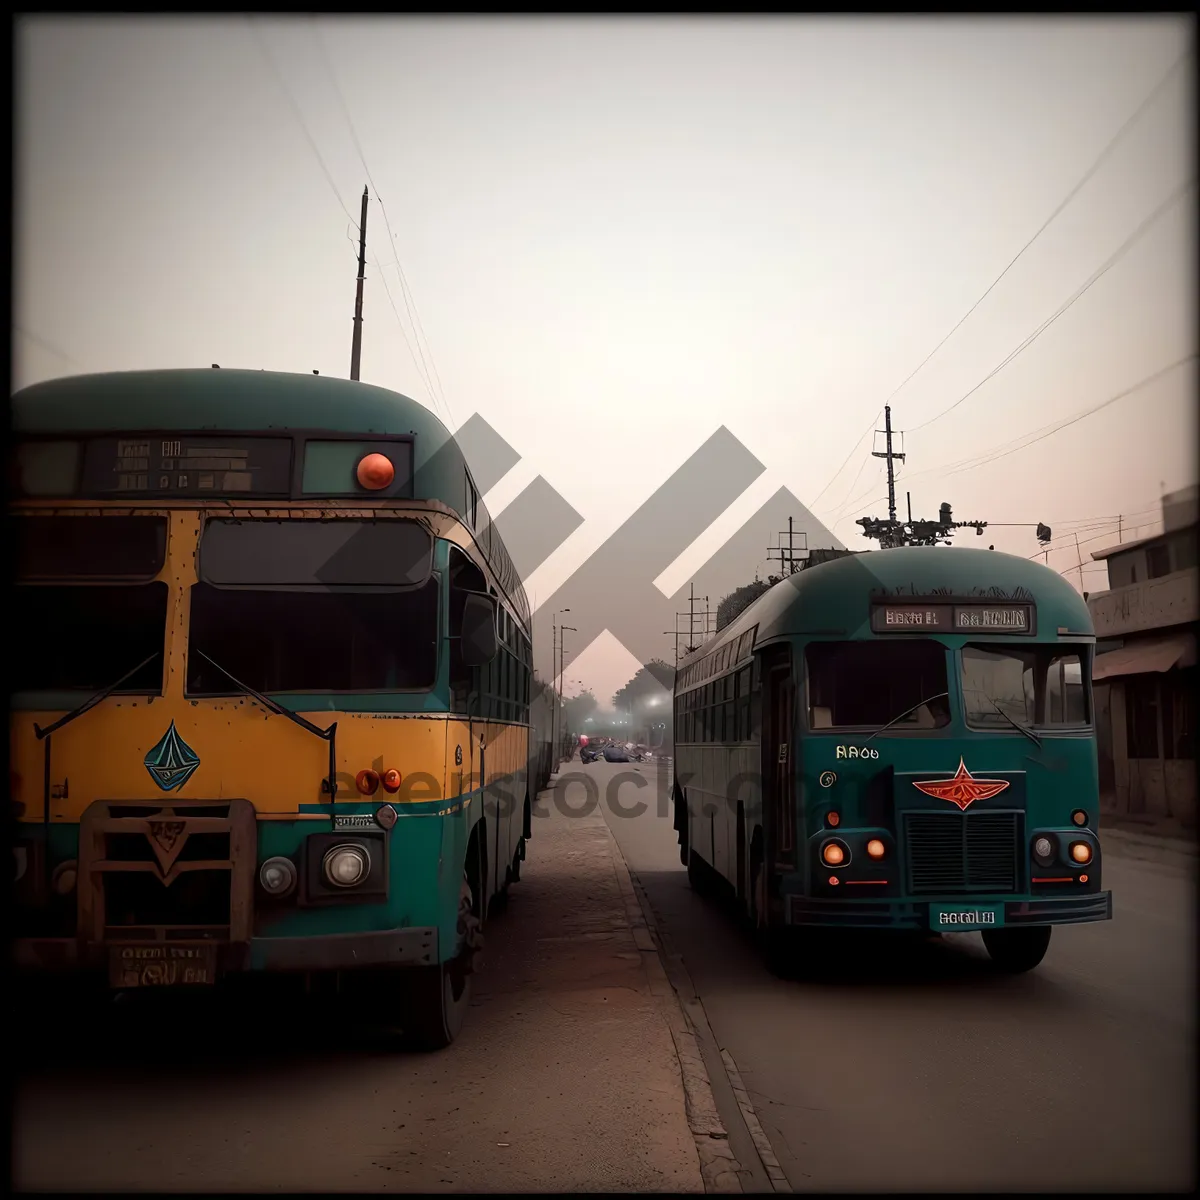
{"type": "Point", "coordinates": [479, 641]}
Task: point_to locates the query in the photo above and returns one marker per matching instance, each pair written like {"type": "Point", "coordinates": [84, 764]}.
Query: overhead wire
{"type": "Point", "coordinates": [48, 346]}
{"type": "Point", "coordinates": [1143, 228]}
{"type": "Point", "coordinates": [265, 50]}
{"type": "Point", "coordinates": [1113, 142]}
{"type": "Point", "coordinates": [410, 303]}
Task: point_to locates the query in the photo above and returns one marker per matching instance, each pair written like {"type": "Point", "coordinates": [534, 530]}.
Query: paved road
{"type": "Point", "coordinates": [925, 1071]}
{"type": "Point", "coordinates": [565, 1078]}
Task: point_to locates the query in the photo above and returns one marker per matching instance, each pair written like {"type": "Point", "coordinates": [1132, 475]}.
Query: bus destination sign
{"type": "Point", "coordinates": [951, 618]}
{"type": "Point", "coordinates": [157, 465]}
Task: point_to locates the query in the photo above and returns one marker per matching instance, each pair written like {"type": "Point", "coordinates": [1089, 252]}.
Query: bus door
{"type": "Point", "coordinates": [779, 769]}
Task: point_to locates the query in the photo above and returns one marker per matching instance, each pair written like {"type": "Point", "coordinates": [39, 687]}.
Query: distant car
{"type": "Point", "coordinates": [616, 754]}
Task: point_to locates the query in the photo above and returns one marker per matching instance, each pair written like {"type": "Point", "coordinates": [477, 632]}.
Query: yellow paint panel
{"type": "Point", "coordinates": [243, 751]}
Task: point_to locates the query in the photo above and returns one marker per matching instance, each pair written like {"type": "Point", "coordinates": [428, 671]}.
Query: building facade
{"type": "Point", "coordinates": [1145, 671]}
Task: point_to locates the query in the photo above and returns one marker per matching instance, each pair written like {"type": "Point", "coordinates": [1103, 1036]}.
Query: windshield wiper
{"type": "Point", "coordinates": [43, 736]}
{"type": "Point", "coordinates": [1033, 737]}
{"type": "Point", "coordinates": [908, 711]}
{"type": "Point", "coordinates": [326, 735]}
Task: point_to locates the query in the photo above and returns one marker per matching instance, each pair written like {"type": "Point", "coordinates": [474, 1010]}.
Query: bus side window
{"type": "Point", "coordinates": [464, 577]}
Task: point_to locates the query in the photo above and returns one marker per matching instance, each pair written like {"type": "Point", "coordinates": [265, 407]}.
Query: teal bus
{"type": "Point", "coordinates": [273, 676]}
{"type": "Point", "coordinates": [897, 740]}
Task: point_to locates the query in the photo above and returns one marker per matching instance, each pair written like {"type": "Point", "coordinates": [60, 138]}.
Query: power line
{"type": "Point", "coordinates": [266, 53]}
{"type": "Point", "coordinates": [1045, 431]}
{"type": "Point", "coordinates": [49, 347]}
{"type": "Point", "coordinates": [404, 288]}
{"type": "Point", "coordinates": [1087, 175]}
{"type": "Point", "coordinates": [1089, 412]}
{"type": "Point", "coordinates": [870, 428]}
{"type": "Point", "coordinates": [1111, 262]}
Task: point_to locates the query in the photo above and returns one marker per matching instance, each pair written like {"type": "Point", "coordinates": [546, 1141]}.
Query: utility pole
{"type": "Point", "coordinates": [788, 562]}
{"type": "Point", "coordinates": [890, 456]}
{"type": "Point", "coordinates": [1120, 539]}
{"type": "Point", "coordinates": [356, 344]}
{"type": "Point", "coordinates": [1079, 555]}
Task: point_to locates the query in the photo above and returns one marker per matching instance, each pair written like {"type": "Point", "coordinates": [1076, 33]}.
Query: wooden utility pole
{"type": "Point", "coordinates": [356, 344]}
{"type": "Point", "coordinates": [890, 456]}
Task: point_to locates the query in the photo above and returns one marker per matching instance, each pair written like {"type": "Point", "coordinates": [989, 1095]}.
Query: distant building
{"type": "Point", "coordinates": [1145, 670]}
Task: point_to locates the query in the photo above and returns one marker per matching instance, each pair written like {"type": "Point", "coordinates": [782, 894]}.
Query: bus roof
{"type": "Point", "coordinates": [217, 399]}
{"type": "Point", "coordinates": [235, 401]}
{"type": "Point", "coordinates": [835, 597]}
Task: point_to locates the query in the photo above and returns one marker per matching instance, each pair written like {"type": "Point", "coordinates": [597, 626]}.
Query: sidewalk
{"type": "Point", "coordinates": [566, 1077]}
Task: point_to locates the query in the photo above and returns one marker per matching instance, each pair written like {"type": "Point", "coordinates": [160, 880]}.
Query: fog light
{"type": "Point", "coordinates": [64, 877]}
{"type": "Point", "coordinates": [875, 848]}
{"type": "Point", "coordinates": [1081, 852]}
{"type": "Point", "coordinates": [346, 866]}
{"type": "Point", "coordinates": [277, 876]}
{"type": "Point", "coordinates": [386, 816]}
{"type": "Point", "coordinates": [390, 781]}
{"type": "Point", "coordinates": [1043, 850]}
{"type": "Point", "coordinates": [1079, 817]}
{"type": "Point", "coordinates": [367, 782]}
{"type": "Point", "coordinates": [834, 854]}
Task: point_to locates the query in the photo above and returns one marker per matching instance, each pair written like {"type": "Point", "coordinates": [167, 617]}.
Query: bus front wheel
{"type": "Point", "coordinates": [1017, 950]}
{"type": "Point", "coordinates": [439, 996]}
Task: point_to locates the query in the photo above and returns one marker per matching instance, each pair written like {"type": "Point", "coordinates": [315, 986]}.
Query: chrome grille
{"type": "Point", "coordinates": [962, 852]}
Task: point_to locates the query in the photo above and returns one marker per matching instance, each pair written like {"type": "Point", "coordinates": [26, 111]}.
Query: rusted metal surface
{"type": "Point", "coordinates": [163, 831]}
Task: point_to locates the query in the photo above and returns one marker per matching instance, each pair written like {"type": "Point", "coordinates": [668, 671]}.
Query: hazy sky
{"type": "Point", "coordinates": [622, 234]}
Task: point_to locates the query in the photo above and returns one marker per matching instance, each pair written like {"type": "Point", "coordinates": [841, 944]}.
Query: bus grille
{"type": "Point", "coordinates": [962, 852]}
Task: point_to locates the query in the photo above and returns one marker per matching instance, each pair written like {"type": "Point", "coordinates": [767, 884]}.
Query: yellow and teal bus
{"type": "Point", "coordinates": [272, 681]}
{"type": "Point", "coordinates": [898, 740]}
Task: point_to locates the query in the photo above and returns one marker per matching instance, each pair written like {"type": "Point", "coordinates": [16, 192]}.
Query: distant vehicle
{"type": "Point", "coordinates": [616, 754]}
{"type": "Point", "coordinates": [856, 744]}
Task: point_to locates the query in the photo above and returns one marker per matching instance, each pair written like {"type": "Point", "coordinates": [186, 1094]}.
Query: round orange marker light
{"type": "Point", "coordinates": [390, 780]}
{"type": "Point", "coordinates": [1083, 879]}
{"type": "Point", "coordinates": [367, 782]}
{"type": "Point", "coordinates": [834, 880]}
{"type": "Point", "coordinates": [375, 472]}
{"type": "Point", "coordinates": [875, 848]}
{"type": "Point", "coordinates": [833, 818]}
{"type": "Point", "coordinates": [1081, 852]}
{"type": "Point", "coordinates": [833, 854]}
{"type": "Point", "coordinates": [1079, 817]}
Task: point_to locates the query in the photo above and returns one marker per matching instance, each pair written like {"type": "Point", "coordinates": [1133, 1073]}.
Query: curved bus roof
{"type": "Point", "coordinates": [835, 598]}
{"type": "Point", "coordinates": [198, 400]}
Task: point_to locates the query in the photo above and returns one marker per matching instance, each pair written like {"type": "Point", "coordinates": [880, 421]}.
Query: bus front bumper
{"type": "Point", "coordinates": [326, 952]}
{"type": "Point", "coordinates": [923, 914]}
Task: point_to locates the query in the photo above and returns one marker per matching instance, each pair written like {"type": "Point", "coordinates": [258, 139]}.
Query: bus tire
{"type": "Point", "coordinates": [701, 876]}
{"type": "Point", "coordinates": [438, 996]}
{"type": "Point", "coordinates": [1017, 950]}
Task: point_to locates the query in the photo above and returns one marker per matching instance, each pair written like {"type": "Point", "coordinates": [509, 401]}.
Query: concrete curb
{"type": "Point", "coordinates": [718, 1167]}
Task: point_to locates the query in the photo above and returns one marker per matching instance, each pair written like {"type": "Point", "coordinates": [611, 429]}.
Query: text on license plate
{"type": "Point", "coordinates": [161, 966]}
{"type": "Point", "coordinates": [959, 918]}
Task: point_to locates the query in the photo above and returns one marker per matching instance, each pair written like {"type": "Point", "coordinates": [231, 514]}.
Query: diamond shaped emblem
{"type": "Point", "coordinates": [172, 762]}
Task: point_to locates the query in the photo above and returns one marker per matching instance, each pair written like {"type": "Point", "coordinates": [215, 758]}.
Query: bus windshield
{"type": "Point", "coordinates": [861, 685]}
{"type": "Point", "coordinates": [1038, 686]}
{"type": "Point", "coordinates": [314, 606]}
{"type": "Point", "coordinates": [87, 604]}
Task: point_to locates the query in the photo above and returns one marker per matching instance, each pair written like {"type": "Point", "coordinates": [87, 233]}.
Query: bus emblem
{"type": "Point", "coordinates": [172, 762]}
{"type": "Point", "coordinates": [964, 789]}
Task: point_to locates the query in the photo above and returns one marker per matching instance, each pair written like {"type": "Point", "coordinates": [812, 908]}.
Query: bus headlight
{"type": "Point", "coordinates": [346, 866]}
{"type": "Point", "coordinates": [277, 876]}
{"type": "Point", "coordinates": [63, 879]}
{"type": "Point", "coordinates": [835, 854]}
{"type": "Point", "coordinates": [1081, 853]}
{"type": "Point", "coordinates": [1043, 850]}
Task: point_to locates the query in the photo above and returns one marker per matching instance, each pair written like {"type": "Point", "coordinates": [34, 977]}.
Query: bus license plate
{"type": "Point", "coordinates": [161, 966]}
{"type": "Point", "coordinates": [961, 918]}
